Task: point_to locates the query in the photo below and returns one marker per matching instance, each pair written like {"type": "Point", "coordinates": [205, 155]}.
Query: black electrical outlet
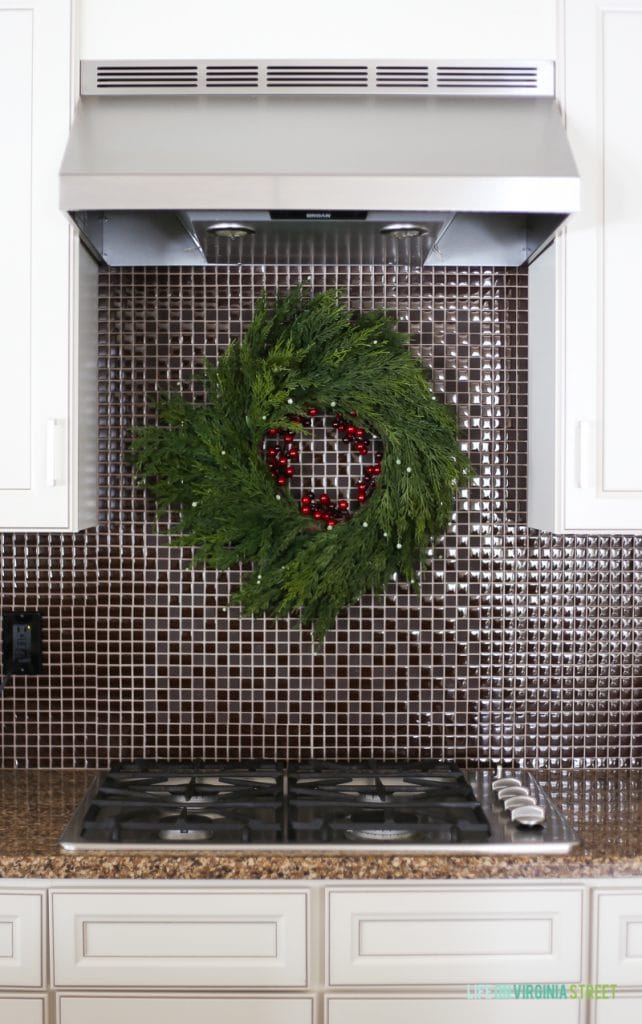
{"type": "Point", "coordinates": [21, 643]}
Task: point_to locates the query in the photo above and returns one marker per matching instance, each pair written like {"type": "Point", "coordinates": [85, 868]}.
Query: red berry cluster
{"type": "Point", "coordinates": [360, 441]}
{"type": "Point", "coordinates": [323, 510]}
{"type": "Point", "coordinates": [281, 450]}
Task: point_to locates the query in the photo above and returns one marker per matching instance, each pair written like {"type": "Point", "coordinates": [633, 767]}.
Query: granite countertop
{"type": "Point", "coordinates": [605, 808]}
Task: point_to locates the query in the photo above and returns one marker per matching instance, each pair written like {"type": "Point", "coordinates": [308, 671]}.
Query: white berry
{"type": "Point", "coordinates": [398, 461]}
{"type": "Point", "coordinates": [290, 401]}
{"type": "Point", "coordinates": [399, 546]}
{"type": "Point", "coordinates": [408, 469]}
{"type": "Point", "coordinates": [364, 524]}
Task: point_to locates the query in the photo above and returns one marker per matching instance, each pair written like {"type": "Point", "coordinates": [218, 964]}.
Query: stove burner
{"type": "Point", "coordinates": [380, 827]}
{"type": "Point", "coordinates": [188, 828]}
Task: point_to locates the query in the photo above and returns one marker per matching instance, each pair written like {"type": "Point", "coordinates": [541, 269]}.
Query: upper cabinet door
{"type": "Point", "coordinates": [42, 357]}
{"type": "Point", "coordinates": [585, 471]}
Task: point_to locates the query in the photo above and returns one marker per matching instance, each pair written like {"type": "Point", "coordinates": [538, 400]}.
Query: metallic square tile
{"type": "Point", "coordinates": [519, 647]}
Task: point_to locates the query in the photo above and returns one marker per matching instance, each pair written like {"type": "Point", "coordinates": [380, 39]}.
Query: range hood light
{"type": "Point", "coordinates": [230, 229]}
{"type": "Point", "coordinates": [404, 230]}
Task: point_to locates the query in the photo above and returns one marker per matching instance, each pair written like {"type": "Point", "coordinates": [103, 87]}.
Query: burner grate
{"type": "Point", "coordinates": [194, 802]}
{"type": "Point", "coordinates": [426, 802]}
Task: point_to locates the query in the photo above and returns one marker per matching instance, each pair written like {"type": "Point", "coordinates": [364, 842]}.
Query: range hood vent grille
{"type": "Point", "coordinates": [331, 77]}
{"type": "Point", "coordinates": [316, 76]}
{"type": "Point", "coordinates": [401, 76]}
{"type": "Point", "coordinates": [167, 78]}
{"type": "Point", "coordinates": [478, 77]}
{"type": "Point", "coordinates": [232, 76]}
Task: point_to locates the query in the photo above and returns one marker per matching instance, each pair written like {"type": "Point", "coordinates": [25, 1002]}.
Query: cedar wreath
{"type": "Point", "coordinates": [205, 461]}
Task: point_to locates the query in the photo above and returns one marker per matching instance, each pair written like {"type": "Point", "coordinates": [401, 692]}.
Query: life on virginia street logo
{"type": "Point", "coordinates": [541, 991]}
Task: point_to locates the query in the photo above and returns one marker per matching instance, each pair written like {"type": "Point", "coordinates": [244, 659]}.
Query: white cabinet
{"type": "Point", "coordinates": [416, 28]}
{"type": "Point", "coordinates": [47, 354]}
{"type": "Point", "coordinates": [156, 938]}
{"type": "Point", "coordinates": [30, 1010]}
{"type": "Point", "coordinates": [617, 953]}
{"type": "Point", "coordinates": [22, 957]}
{"type": "Point", "coordinates": [176, 1009]}
{"type": "Point", "coordinates": [21, 940]}
{"type": "Point", "coordinates": [434, 1010]}
{"type": "Point", "coordinates": [585, 354]}
{"type": "Point", "coordinates": [454, 935]}
{"type": "Point", "coordinates": [626, 1009]}
{"type": "Point", "coordinates": [316, 952]}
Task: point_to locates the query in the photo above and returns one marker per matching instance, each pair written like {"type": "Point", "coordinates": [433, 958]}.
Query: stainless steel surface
{"type": "Point", "coordinates": [311, 238]}
{"type": "Point", "coordinates": [168, 238]}
{"type": "Point", "coordinates": [469, 153]}
{"type": "Point", "coordinates": [507, 838]}
{"type": "Point", "coordinates": [331, 77]}
{"type": "Point", "coordinates": [500, 161]}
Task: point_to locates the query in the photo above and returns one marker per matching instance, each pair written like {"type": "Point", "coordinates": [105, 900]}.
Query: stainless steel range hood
{"type": "Point", "coordinates": [190, 163]}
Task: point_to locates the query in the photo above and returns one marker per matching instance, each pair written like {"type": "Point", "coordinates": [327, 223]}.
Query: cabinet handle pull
{"type": "Point", "coordinates": [55, 453]}
{"type": "Point", "coordinates": [584, 454]}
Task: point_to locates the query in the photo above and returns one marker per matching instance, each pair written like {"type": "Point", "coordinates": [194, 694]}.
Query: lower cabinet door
{"type": "Point", "coordinates": [622, 1010]}
{"type": "Point", "coordinates": [177, 1009]}
{"type": "Point", "coordinates": [180, 939]}
{"type": "Point", "coordinates": [22, 1011]}
{"type": "Point", "coordinates": [454, 935]}
{"type": "Point", "coordinates": [409, 1010]}
{"type": "Point", "coordinates": [619, 937]}
{"type": "Point", "coordinates": [21, 915]}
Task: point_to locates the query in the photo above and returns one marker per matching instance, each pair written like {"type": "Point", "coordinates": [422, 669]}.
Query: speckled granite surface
{"type": "Point", "coordinates": [605, 807]}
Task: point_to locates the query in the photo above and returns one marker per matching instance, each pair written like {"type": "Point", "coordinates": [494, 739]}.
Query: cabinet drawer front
{"type": "Point", "coordinates": [619, 938]}
{"type": "Point", "coordinates": [454, 936]}
{"type": "Point", "coordinates": [227, 939]}
{"type": "Point", "coordinates": [104, 1009]}
{"type": "Point", "coordinates": [621, 1011]}
{"type": "Point", "coordinates": [404, 1010]}
{"type": "Point", "coordinates": [21, 940]}
{"type": "Point", "coordinates": [22, 1011]}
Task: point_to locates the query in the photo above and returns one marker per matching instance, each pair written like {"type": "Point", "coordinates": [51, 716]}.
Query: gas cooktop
{"type": "Point", "coordinates": [425, 806]}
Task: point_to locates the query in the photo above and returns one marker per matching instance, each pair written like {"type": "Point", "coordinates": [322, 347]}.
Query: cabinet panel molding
{"type": "Point", "coordinates": [618, 927]}
{"type": "Point", "coordinates": [171, 939]}
{"type": "Point", "coordinates": [453, 936]}
{"type": "Point", "coordinates": [21, 940]}
{"type": "Point", "coordinates": [623, 1010]}
{"type": "Point", "coordinates": [425, 1010]}
{"type": "Point", "coordinates": [170, 1009]}
{"type": "Point", "coordinates": [14, 1010]}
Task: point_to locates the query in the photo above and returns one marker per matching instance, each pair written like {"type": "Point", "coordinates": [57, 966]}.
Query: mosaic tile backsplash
{"type": "Point", "coordinates": [520, 647]}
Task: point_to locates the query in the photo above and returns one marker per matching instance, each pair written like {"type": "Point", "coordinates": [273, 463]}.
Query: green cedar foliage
{"type": "Point", "coordinates": [204, 461]}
